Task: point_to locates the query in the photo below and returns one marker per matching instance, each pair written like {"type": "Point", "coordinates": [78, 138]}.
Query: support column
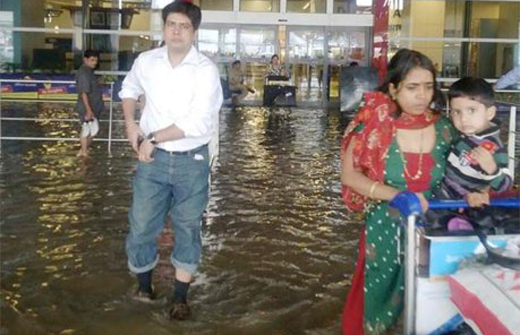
{"type": "Point", "coordinates": [380, 10]}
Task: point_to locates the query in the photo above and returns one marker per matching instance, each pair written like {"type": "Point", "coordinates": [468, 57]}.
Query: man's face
{"type": "Point", "coordinates": [178, 33]}
{"type": "Point", "coordinates": [90, 61]}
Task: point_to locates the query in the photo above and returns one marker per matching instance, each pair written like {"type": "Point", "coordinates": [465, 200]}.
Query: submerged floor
{"type": "Point", "coordinates": [278, 252]}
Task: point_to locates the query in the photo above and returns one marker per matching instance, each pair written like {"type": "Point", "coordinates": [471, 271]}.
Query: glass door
{"type": "Point", "coordinates": [306, 56]}
{"type": "Point", "coordinates": [346, 47]}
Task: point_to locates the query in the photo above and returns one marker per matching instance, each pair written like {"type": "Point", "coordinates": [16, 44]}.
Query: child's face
{"type": "Point", "coordinates": [91, 61]}
{"type": "Point", "coordinates": [470, 116]}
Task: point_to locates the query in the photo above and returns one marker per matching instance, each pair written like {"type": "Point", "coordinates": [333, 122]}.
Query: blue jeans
{"type": "Point", "coordinates": [176, 184]}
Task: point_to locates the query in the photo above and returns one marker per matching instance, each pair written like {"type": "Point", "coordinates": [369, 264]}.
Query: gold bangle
{"type": "Point", "coordinates": [373, 188]}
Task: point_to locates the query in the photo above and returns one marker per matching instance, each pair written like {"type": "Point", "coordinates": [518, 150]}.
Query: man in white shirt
{"type": "Point", "coordinates": [183, 95]}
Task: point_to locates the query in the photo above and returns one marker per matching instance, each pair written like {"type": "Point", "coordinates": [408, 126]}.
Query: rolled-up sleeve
{"type": "Point", "coordinates": [205, 105]}
{"type": "Point", "coordinates": [131, 87]}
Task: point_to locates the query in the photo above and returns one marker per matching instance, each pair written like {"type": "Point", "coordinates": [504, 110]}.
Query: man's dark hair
{"type": "Point", "coordinates": [474, 89]}
{"type": "Point", "coordinates": [91, 53]}
{"type": "Point", "coordinates": [404, 61]}
{"type": "Point", "coordinates": [235, 63]}
{"type": "Point", "coordinates": [354, 63]}
{"type": "Point", "coordinates": [183, 7]}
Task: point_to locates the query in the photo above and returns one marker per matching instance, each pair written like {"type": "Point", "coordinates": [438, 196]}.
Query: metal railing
{"type": "Point", "coordinates": [110, 120]}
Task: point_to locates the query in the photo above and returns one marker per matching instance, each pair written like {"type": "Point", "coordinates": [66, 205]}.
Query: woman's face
{"type": "Point", "coordinates": [415, 93]}
{"type": "Point", "coordinates": [275, 61]}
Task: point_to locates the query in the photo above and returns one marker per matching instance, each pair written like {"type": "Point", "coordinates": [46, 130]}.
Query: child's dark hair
{"type": "Point", "coordinates": [184, 7]}
{"type": "Point", "coordinates": [473, 88]}
{"type": "Point", "coordinates": [404, 61]}
{"type": "Point", "coordinates": [91, 53]}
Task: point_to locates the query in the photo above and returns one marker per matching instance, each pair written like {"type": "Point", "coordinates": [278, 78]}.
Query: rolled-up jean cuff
{"type": "Point", "coordinates": [190, 268]}
{"type": "Point", "coordinates": [143, 268]}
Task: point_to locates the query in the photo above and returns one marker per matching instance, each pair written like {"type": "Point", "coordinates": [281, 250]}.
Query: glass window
{"type": "Point", "coordinates": [257, 43]}
{"type": "Point", "coordinates": [494, 19]}
{"type": "Point", "coordinates": [218, 43]}
{"type": "Point", "coordinates": [484, 19]}
{"type": "Point", "coordinates": [128, 49]}
{"type": "Point", "coordinates": [6, 38]}
{"type": "Point", "coordinates": [215, 4]}
{"type": "Point", "coordinates": [347, 46]}
{"type": "Point", "coordinates": [117, 53]}
{"type": "Point", "coordinates": [457, 59]}
{"type": "Point", "coordinates": [260, 5]}
{"type": "Point", "coordinates": [306, 45]}
{"type": "Point", "coordinates": [307, 6]}
{"type": "Point", "coordinates": [41, 52]}
{"type": "Point", "coordinates": [352, 6]}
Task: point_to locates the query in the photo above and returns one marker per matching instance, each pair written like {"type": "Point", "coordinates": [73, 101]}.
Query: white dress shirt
{"type": "Point", "coordinates": [188, 95]}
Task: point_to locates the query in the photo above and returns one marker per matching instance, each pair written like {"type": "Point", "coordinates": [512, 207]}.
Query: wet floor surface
{"type": "Point", "coordinates": [278, 247]}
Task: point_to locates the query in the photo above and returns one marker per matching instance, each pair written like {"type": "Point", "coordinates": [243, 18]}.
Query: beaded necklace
{"type": "Point", "coordinates": [418, 174]}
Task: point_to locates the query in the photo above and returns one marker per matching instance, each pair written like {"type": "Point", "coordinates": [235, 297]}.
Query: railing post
{"type": "Point", "coordinates": [0, 116]}
{"type": "Point", "coordinates": [511, 142]}
{"type": "Point", "coordinates": [410, 283]}
{"type": "Point", "coordinates": [110, 119]}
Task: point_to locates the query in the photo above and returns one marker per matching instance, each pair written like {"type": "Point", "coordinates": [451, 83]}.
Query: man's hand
{"type": "Point", "coordinates": [485, 159]}
{"type": "Point", "coordinates": [89, 116]}
{"type": "Point", "coordinates": [477, 199]}
{"type": "Point", "coordinates": [145, 151]}
{"type": "Point", "coordinates": [133, 132]}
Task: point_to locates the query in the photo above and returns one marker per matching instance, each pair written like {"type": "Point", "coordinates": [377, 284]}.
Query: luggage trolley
{"type": "Point", "coordinates": [409, 206]}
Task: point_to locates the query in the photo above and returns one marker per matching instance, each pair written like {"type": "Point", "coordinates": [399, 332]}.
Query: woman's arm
{"type": "Point", "coordinates": [360, 183]}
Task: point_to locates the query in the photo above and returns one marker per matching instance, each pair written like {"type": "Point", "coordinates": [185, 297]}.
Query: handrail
{"type": "Point", "coordinates": [71, 82]}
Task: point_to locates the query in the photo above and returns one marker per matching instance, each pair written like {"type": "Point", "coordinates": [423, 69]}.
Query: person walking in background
{"type": "Point", "coordinates": [90, 101]}
{"type": "Point", "coordinates": [183, 95]}
{"type": "Point", "coordinates": [398, 141]}
{"type": "Point", "coordinates": [510, 78]}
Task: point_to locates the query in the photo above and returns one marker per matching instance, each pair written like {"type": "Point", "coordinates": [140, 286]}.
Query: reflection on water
{"type": "Point", "coordinates": [278, 246]}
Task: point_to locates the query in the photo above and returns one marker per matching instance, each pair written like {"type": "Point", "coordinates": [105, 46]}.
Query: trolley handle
{"type": "Point", "coordinates": [443, 204]}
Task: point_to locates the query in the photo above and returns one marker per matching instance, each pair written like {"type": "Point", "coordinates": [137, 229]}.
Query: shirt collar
{"type": "Point", "coordinates": [493, 130]}
{"type": "Point", "coordinates": [191, 58]}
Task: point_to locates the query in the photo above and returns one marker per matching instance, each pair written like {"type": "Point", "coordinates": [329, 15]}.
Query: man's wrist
{"type": "Point", "coordinates": [151, 138]}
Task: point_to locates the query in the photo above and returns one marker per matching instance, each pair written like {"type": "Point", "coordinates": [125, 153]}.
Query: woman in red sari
{"type": "Point", "coordinates": [398, 141]}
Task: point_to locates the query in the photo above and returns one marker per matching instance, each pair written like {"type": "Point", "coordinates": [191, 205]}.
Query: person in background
{"type": "Point", "coordinates": [90, 101]}
{"type": "Point", "coordinates": [510, 78]}
{"type": "Point", "coordinates": [277, 69]}
{"type": "Point", "coordinates": [183, 96]}
{"type": "Point", "coordinates": [398, 141]}
{"type": "Point", "coordinates": [236, 83]}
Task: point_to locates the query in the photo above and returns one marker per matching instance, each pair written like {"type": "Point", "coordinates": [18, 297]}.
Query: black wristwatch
{"type": "Point", "coordinates": [151, 138]}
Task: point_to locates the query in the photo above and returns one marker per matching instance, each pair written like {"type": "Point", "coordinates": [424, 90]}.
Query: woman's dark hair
{"type": "Point", "coordinates": [273, 56]}
{"type": "Point", "coordinates": [473, 88]}
{"type": "Point", "coordinates": [235, 63]}
{"type": "Point", "coordinates": [184, 7]}
{"type": "Point", "coordinates": [404, 61]}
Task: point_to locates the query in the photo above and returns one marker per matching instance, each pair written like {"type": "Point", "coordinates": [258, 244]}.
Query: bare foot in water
{"type": "Point", "coordinates": [82, 153]}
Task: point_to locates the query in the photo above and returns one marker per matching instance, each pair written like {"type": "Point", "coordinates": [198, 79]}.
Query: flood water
{"type": "Point", "coordinates": [278, 245]}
